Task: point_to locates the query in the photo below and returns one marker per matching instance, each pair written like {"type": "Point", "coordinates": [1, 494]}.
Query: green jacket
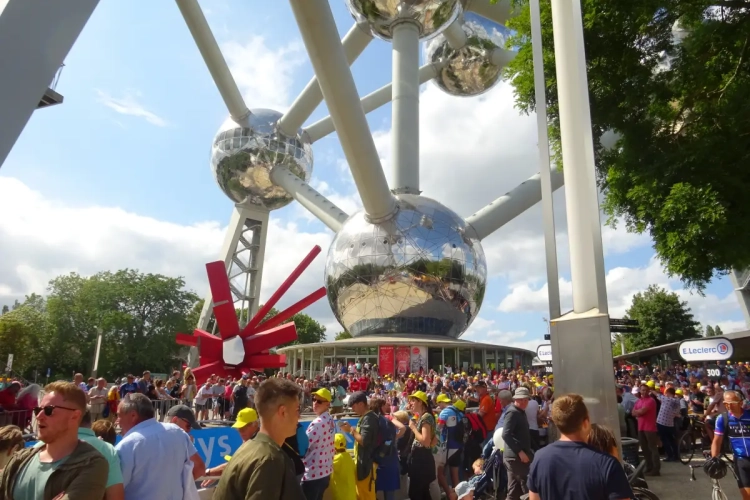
{"type": "Point", "coordinates": [367, 426]}
{"type": "Point", "coordinates": [83, 476]}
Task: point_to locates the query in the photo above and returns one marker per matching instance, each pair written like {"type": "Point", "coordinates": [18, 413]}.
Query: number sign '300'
{"type": "Point", "coordinates": [713, 372]}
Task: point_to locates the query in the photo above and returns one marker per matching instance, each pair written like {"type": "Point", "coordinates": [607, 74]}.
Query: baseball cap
{"type": "Point", "coordinates": [522, 393]}
{"type": "Point", "coordinates": [323, 393]}
{"type": "Point", "coordinates": [443, 399]}
{"type": "Point", "coordinates": [244, 417]}
{"type": "Point", "coordinates": [463, 488]}
{"type": "Point", "coordinates": [186, 414]}
{"type": "Point", "coordinates": [358, 397]}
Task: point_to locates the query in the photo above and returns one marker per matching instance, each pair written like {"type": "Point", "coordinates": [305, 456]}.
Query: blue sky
{"type": "Point", "coordinates": [118, 176]}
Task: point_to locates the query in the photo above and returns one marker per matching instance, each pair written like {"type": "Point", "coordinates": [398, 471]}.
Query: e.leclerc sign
{"type": "Point", "coordinates": [708, 349]}
{"type": "Point", "coordinates": [544, 352]}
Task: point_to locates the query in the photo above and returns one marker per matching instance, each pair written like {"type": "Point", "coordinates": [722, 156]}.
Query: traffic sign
{"type": "Point", "coordinates": [623, 322]}
{"type": "Point", "coordinates": [624, 329]}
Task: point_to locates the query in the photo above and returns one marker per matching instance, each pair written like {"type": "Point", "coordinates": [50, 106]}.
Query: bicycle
{"type": "Point", "coordinates": [716, 493]}
{"type": "Point", "coordinates": [687, 443]}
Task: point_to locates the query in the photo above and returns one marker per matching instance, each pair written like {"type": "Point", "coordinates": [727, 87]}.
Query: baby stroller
{"type": "Point", "coordinates": [492, 483]}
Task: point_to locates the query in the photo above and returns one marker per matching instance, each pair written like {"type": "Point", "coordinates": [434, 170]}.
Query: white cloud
{"type": "Point", "coordinates": [128, 105]}
{"type": "Point", "coordinates": [484, 330]}
{"type": "Point", "coordinates": [43, 238]}
{"type": "Point", "coordinates": [622, 284]}
{"type": "Point", "coordinates": [264, 75]}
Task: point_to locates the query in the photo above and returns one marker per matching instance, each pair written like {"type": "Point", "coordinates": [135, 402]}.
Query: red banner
{"type": "Point", "coordinates": [403, 360]}
{"type": "Point", "coordinates": [386, 360]}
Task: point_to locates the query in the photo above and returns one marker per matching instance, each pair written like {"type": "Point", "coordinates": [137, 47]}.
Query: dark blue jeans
{"type": "Point", "coordinates": [668, 441]}
{"type": "Point", "coordinates": [314, 489]}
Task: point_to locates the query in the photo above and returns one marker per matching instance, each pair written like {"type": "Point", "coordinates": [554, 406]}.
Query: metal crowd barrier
{"type": "Point", "coordinates": [20, 418]}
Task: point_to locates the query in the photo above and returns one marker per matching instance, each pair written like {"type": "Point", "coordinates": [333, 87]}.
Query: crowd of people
{"type": "Point", "coordinates": [417, 435]}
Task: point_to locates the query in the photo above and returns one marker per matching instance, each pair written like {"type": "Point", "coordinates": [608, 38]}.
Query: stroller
{"type": "Point", "coordinates": [492, 483]}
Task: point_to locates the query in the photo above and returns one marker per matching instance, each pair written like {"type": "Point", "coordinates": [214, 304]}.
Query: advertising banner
{"type": "Point", "coordinates": [418, 358]}
{"type": "Point", "coordinates": [706, 349]}
{"type": "Point", "coordinates": [402, 360]}
{"type": "Point", "coordinates": [386, 360]}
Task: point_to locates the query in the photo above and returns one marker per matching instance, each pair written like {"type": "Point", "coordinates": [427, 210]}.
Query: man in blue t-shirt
{"type": "Point", "coordinates": [129, 387]}
{"type": "Point", "coordinates": [736, 426]}
{"type": "Point", "coordinates": [449, 420]}
{"type": "Point", "coordinates": [570, 469]}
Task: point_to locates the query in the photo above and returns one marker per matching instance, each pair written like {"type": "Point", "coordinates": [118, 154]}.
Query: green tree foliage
{"type": "Point", "coordinates": [309, 331]}
{"type": "Point", "coordinates": [679, 170]}
{"type": "Point", "coordinates": [713, 331]}
{"type": "Point", "coordinates": [662, 318]}
{"type": "Point", "coordinates": [343, 335]}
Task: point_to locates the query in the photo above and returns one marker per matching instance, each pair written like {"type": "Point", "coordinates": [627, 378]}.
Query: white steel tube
{"type": "Point", "coordinates": [370, 102]}
{"type": "Point", "coordinates": [548, 213]}
{"type": "Point", "coordinates": [317, 204]}
{"type": "Point", "coordinates": [584, 226]}
{"type": "Point", "coordinates": [455, 34]}
{"type": "Point", "coordinates": [355, 42]}
{"type": "Point", "coordinates": [405, 110]}
{"type": "Point", "coordinates": [318, 30]}
{"type": "Point", "coordinates": [498, 12]}
{"type": "Point", "coordinates": [217, 65]}
{"type": "Point", "coordinates": [512, 204]}
{"type": "Point", "coordinates": [501, 57]}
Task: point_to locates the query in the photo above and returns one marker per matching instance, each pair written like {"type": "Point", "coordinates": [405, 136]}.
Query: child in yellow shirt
{"type": "Point", "coordinates": [342, 480]}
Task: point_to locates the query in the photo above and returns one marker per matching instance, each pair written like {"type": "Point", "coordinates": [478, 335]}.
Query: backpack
{"type": "Point", "coordinates": [461, 433]}
{"type": "Point", "coordinates": [478, 430]}
{"type": "Point", "coordinates": [385, 444]}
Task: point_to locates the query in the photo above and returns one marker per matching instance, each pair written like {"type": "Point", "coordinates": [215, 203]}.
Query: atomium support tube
{"type": "Point", "coordinates": [501, 57]}
{"type": "Point", "coordinates": [498, 12]}
{"type": "Point", "coordinates": [370, 102]}
{"type": "Point", "coordinates": [455, 34]}
{"type": "Point", "coordinates": [212, 56]}
{"type": "Point", "coordinates": [319, 34]}
{"type": "Point", "coordinates": [315, 203]}
{"type": "Point", "coordinates": [355, 42]}
{"type": "Point", "coordinates": [512, 204]}
{"type": "Point", "coordinates": [405, 110]}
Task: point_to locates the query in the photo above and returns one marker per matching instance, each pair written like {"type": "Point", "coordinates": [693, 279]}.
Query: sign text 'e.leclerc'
{"type": "Point", "coordinates": [707, 349]}
{"type": "Point", "coordinates": [544, 352]}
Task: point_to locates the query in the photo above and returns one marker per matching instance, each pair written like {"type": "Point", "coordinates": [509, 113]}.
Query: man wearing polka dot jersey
{"type": "Point", "coordinates": [319, 457]}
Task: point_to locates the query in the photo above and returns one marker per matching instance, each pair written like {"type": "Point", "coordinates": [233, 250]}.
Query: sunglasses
{"type": "Point", "coordinates": [321, 401]}
{"type": "Point", "coordinates": [49, 409]}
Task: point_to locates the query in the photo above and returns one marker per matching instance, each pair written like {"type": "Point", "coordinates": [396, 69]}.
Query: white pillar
{"type": "Point", "coordinates": [499, 11]}
{"type": "Point", "coordinates": [405, 110]}
{"type": "Point", "coordinates": [743, 294]}
{"type": "Point", "coordinates": [548, 213]}
{"type": "Point", "coordinates": [584, 227]}
{"type": "Point", "coordinates": [35, 38]}
{"type": "Point", "coordinates": [355, 41]}
{"type": "Point", "coordinates": [214, 59]}
{"type": "Point", "coordinates": [455, 34]}
{"type": "Point", "coordinates": [319, 34]}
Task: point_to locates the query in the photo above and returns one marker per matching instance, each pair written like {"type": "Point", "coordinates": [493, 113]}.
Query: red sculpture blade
{"type": "Point", "coordinates": [223, 301]}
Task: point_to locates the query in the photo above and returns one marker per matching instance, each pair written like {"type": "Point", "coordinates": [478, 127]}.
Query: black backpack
{"type": "Point", "coordinates": [460, 433]}
{"type": "Point", "coordinates": [386, 440]}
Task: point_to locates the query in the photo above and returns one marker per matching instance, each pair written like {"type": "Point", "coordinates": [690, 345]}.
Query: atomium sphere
{"type": "Point", "coordinates": [242, 159]}
{"type": "Point", "coordinates": [419, 273]}
{"type": "Point", "coordinates": [432, 16]}
{"type": "Point", "coordinates": [468, 71]}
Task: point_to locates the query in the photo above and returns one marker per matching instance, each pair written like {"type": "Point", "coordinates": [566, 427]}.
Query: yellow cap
{"type": "Point", "coordinates": [420, 395]}
{"type": "Point", "coordinates": [650, 383]}
{"type": "Point", "coordinates": [339, 441]}
{"type": "Point", "coordinates": [227, 457]}
{"type": "Point", "coordinates": [244, 417]}
{"type": "Point", "coordinates": [463, 374]}
{"type": "Point", "coordinates": [411, 375]}
{"type": "Point", "coordinates": [729, 362]}
{"type": "Point", "coordinates": [443, 399]}
{"type": "Point", "coordinates": [678, 392]}
{"type": "Point", "coordinates": [460, 404]}
{"type": "Point", "coordinates": [323, 393]}
{"type": "Point", "coordinates": [421, 379]}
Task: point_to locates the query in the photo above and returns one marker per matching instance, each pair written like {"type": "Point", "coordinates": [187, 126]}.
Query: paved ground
{"type": "Point", "coordinates": [674, 484]}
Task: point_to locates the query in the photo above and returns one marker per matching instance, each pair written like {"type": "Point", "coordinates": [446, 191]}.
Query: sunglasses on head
{"type": "Point", "coordinates": [49, 409]}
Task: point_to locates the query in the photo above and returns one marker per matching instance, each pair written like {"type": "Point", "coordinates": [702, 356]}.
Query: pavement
{"type": "Point", "coordinates": [675, 484]}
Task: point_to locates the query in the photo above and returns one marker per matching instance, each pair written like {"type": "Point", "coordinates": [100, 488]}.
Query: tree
{"type": "Point", "coordinates": [678, 171]}
{"type": "Point", "coordinates": [309, 331]}
{"type": "Point", "coordinates": [662, 318]}
{"type": "Point", "coordinates": [710, 331]}
{"type": "Point", "coordinates": [343, 335]}
{"type": "Point", "coordinates": [717, 331]}
{"type": "Point", "coordinates": [5, 310]}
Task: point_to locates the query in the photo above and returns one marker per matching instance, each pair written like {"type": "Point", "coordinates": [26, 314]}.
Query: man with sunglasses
{"type": "Point", "coordinates": [64, 466]}
{"type": "Point", "coordinates": [735, 424]}
{"type": "Point", "coordinates": [318, 459]}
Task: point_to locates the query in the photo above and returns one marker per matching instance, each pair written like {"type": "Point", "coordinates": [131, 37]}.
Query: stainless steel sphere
{"type": "Point", "coordinates": [381, 16]}
{"type": "Point", "coordinates": [470, 70]}
{"type": "Point", "coordinates": [242, 159]}
{"type": "Point", "coordinates": [419, 273]}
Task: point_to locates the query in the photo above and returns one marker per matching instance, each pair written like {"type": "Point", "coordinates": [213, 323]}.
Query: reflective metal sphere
{"type": "Point", "coordinates": [418, 273]}
{"type": "Point", "coordinates": [468, 71]}
{"type": "Point", "coordinates": [381, 16]}
{"type": "Point", "coordinates": [242, 159]}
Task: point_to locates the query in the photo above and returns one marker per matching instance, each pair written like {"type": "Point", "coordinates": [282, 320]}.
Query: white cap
{"type": "Point", "coordinates": [635, 391]}
{"type": "Point", "coordinates": [463, 488]}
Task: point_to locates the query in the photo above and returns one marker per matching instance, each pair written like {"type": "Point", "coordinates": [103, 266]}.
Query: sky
{"type": "Point", "coordinates": [118, 176]}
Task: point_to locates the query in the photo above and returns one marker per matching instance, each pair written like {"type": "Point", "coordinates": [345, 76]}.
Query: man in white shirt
{"type": "Point", "coordinates": [98, 399]}
{"type": "Point", "coordinates": [532, 415]}
{"type": "Point", "coordinates": [201, 399]}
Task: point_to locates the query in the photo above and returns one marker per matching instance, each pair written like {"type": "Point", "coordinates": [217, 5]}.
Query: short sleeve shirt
{"type": "Point", "coordinates": [319, 457]}
{"type": "Point", "coordinates": [448, 418]}
{"type": "Point", "coordinates": [33, 478]}
{"type": "Point", "coordinates": [488, 407]}
{"type": "Point", "coordinates": [670, 409]}
{"type": "Point", "coordinates": [647, 421]}
{"type": "Point", "coordinates": [426, 418]}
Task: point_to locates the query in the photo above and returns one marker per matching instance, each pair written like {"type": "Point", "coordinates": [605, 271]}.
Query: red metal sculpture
{"type": "Point", "coordinates": [237, 351]}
